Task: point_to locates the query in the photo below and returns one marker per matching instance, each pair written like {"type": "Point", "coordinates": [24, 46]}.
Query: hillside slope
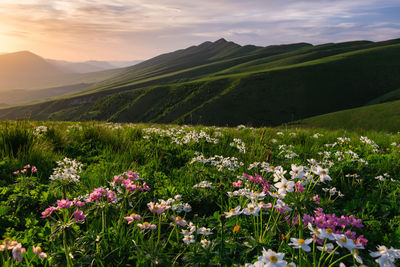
{"type": "Point", "coordinates": [380, 117]}
{"type": "Point", "coordinates": [222, 83]}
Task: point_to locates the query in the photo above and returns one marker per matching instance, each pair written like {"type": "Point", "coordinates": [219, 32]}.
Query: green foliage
{"type": "Point", "coordinates": [162, 157]}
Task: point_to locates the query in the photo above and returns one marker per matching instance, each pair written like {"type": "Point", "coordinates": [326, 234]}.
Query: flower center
{"type": "Point", "coordinates": [343, 239]}
{"type": "Point", "coordinates": [273, 259]}
{"type": "Point", "coordinates": [329, 231]}
{"type": "Point", "coordinates": [300, 241]}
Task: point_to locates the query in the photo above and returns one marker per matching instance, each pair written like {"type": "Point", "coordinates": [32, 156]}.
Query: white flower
{"type": "Point", "coordinates": [386, 257]}
{"type": "Point", "coordinates": [251, 209]}
{"type": "Point", "coordinates": [301, 243]}
{"type": "Point", "coordinates": [284, 186]}
{"type": "Point", "coordinates": [205, 243]}
{"type": "Point", "coordinates": [233, 212]}
{"type": "Point", "coordinates": [297, 172]}
{"type": "Point", "coordinates": [327, 233]}
{"type": "Point", "coordinates": [327, 248]}
{"type": "Point", "coordinates": [204, 231]}
{"type": "Point", "coordinates": [348, 243]}
{"type": "Point", "coordinates": [188, 239]}
{"type": "Point", "coordinates": [323, 174]}
{"type": "Point", "coordinates": [272, 259]}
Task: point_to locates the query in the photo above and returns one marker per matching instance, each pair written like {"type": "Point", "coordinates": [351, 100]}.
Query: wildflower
{"type": "Point", "coordinates": [146, 225]}
{"type": "Point", "coordinates": [385, 257]}
{"type": "Point", "coordinates": [204, 231]}
{"type": "Point", "coordinates": [78, 203]}
{"type": "Point", "coordinates": [301, 243]}
{"type": "Point", "coordinates": [63, 204]}
{"type": "Point", "coordinates": [38, 251]}
{"type": "Point", "coordinates": [205, 243]}
{"type": "Point", "coordinates": [18, 251]}
{"type": "Point", "coordinates": [284, 186]}
{"type": "Point", "coordinates": [348, 243]}
{"type": "Point", "coordinates": [297, 172]}
{"type": "Point", "coordinates": [271, 258]}
{"type": "Point", "coordinates": [322, 173]}
{"type": "Point", "coordinates": [47, 212]}
{"type": "Point", "coordinates": [179, 221]}
{"type": "Point", "coordinates": [329, 247]}
{"type": "Point", "coordinates": [157, 208]}
{"type": "Point", "coordinates": [79, 216]}
{"type": "Point", "coordinates": [33, 169]}
{"type": "Point", "coordinates": [251, 210]}
{"type": "Point", "coordinates": [233, 212]}
{"type": "Point", "coordinates": [237, 184]}
{"type": "Point", "coordinates": [188, 239]}
{"type": "Point", "coordinates": [133, 217]}
{"type": "Point", "coordinates": [236, 229]}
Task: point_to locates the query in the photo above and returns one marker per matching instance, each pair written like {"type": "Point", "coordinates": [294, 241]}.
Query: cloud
{"type": "Point", "coordinates": [117, 28]}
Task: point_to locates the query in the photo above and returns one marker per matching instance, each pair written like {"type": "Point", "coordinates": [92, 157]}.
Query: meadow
{"type": "Point", "coordinates": [103, 194]}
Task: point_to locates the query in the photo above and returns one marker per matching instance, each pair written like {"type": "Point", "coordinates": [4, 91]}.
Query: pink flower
{"type": "Point", "coordinates": [34, 169]}
{"type": "Point", "coordinates": [361, 240]}
{"type": "Point", "coordinates": [111, 196]}
{"type": "Point", "coordinates": [316, 199]}
{"type": "Point", "coordinates": [64, 204]}
{"type": "Point", "coordinates": [23, 171]}
{"type": "Point", "coordinates": [179, 221]}
{"type": "Point", "coordinates": [133, 217]}
{"type": "Point", "coordinates": [118, 179]}
{"type": "Point", "coordinates": [47, 212]}
{"type": "Point", "coordinates": [146, 225]}
{"type": "Point", "coordinates": [16, 172]}
{"type": "Point", "coordinates": [145, 187]}
{"type": "Point", "coordinates": [27, 166]}
{"type": "Point", "coordinates": [79, 216]}
{"type": "Point", "coordinates": [299, 187]}
{"type": "Point", "coordinates": [237, 184]}
{"type": "Point", "coordinates": [78, 203]}
{"type": "Point", "coordinates": [157, 208]}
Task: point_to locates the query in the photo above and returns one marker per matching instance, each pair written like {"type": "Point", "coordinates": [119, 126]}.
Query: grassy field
{"type": "Point", "coordinates": [224, 84]}
{"type": "Point", "coordinates": [381, 117]}
{"type": "Point", "coordinates": [168, 195]}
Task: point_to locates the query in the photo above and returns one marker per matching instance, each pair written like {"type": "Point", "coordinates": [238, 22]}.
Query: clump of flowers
{"type": "Point", "coordinates": [40, 130]}
{"type": "Point", "coordinates": [26, 169]}
{"type": "Point", "coordinates": [129, 181]}
{"type": "Point", "coordinates": [67, 170]}
{"type": "Point", "coordinates": [15, 247]}
{"type": "Point", "coordinates": [204, 184]}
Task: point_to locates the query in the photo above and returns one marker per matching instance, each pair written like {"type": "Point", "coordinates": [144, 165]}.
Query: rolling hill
{"type": "Point", "coordinates": [380, 117]}
{"type": "Point", "coordinates": [223, 83]}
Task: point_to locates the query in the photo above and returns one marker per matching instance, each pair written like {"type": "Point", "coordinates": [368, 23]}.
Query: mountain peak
{"type": "Point", "coordinates": [220, 41]}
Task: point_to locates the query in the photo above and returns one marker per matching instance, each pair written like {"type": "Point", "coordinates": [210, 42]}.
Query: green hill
{"type": "Point", "coordinates": [222, 83]}
{"type": "Point", "coordinates": [380, 117]}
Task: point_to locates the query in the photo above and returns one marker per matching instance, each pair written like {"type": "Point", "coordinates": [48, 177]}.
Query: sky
{"type": "Point", "coordinates": [78, 30]}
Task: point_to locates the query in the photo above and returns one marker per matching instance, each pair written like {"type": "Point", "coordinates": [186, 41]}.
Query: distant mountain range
{"type": "Point", "coordinates": [223, 83]}
{"type": "Point", "coordinates": [25, 71]}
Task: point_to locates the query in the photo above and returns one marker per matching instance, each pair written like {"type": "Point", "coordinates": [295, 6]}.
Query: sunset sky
{"type": "Point", "coordinates": [78, 30]}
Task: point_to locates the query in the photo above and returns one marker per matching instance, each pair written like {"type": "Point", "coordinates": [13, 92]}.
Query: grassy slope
{"type": "Point", "coordinates": [380, 117]}
{"type": "Point", "coordinates": [391, 96]}
{"type": "Point", "coordinates": [285, 85]}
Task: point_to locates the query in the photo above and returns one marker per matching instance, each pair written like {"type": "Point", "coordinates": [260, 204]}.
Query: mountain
{"type": "Point", "coordinates": [379, 117]}
{"type": "Point", "coordinates": [22, 69]}
{"type": "Point", "coordinates": [223, 83]}
{"type": "Point", "coordinates": [91, 65]}
{"type": "Point", "coordinates": [26, 71]}
{"type": "Point", "coordinates": [81, 67]}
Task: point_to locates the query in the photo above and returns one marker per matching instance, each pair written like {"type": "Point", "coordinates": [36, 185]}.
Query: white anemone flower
{"type": "Point", "coordinates": [284, 186]}
{"type": "Point", "coordinates": [322, 173]}
{"type": "Point", "coordinates": [297, 172]}
{"type": "Point", "coordinates": [301, 243]}
{"type": "Point", "coordinates": [348, 243]}
{"type": "Point", "coordinates": [233, 212]}
{"type": "Point", "coordinates": [188, 239]}
{"type": "Point", "coordinates": [251, 209]}
{"type": "Point", "coordinates": [272, 259]}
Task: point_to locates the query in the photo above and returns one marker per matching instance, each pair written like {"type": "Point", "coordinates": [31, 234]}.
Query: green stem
{"type": "Point", "coordinates": [345, 256]}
